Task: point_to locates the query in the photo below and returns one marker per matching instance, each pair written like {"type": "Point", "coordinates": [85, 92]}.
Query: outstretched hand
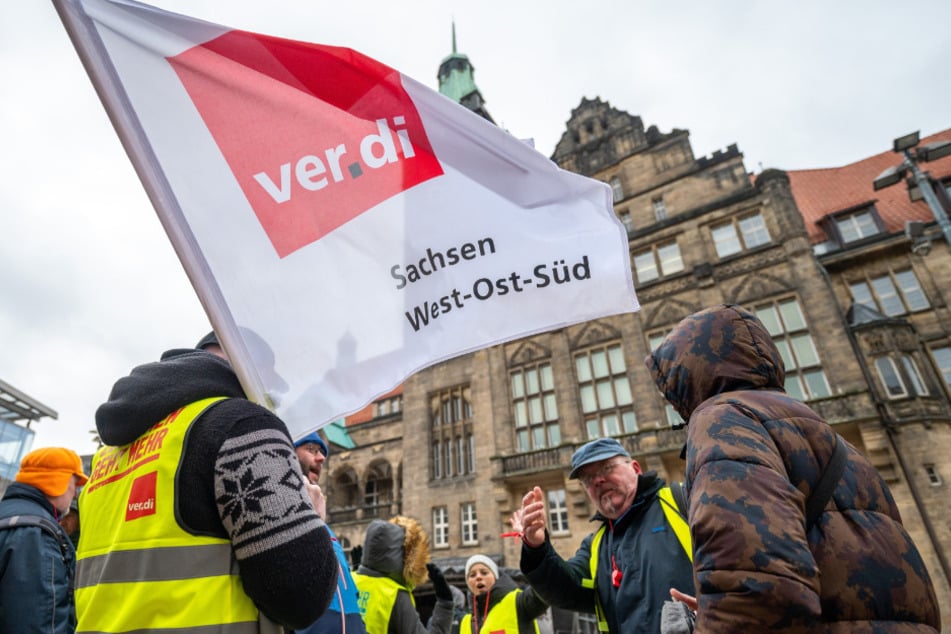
{"type": "Point", "coordinates": [532, 518]}
{"type": "Point", "coordinates": [440, 585]}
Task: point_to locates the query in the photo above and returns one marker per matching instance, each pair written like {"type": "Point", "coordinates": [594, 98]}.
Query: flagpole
{"type": "Point", "coordinates": [102, 73]}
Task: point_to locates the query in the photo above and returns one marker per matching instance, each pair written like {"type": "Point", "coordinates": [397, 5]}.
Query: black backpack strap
{"type": "Point", "coordinates": [827, 482]}
{"type": "Point", "coordinates": [46, 524]}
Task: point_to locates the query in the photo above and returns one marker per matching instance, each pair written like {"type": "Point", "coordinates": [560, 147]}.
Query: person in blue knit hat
{"type": "Point", "coordinates": [343, 615]}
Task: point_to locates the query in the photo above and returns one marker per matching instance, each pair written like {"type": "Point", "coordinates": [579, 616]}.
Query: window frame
{"type": "Point", "coordinates": [837, 222]}
{"type": "Point", "coordinates": [740, 235]}
{"type": "Point", "coordinates": [451, 424]}
{"type": "Point", "coordinates": [524, 392]}
{"type": "Point", "coordinates": [941, 355]}
{"type": "Point", "coordinates": [804, 376]}
{"type": "Point", "coordinates": [659, 268]}
{"type": "Point", "coordinates": [469, 524]}
{"type": "Point", "coordinates": [440, 527]}
{"type": "Point", "coordinates": [594, 385]}
{"type": "Point", "coordinates": [872, 292]}
{"type": "Point", "coordinates": [617, 188]}
{"type": "Point", "coordinates": [893, 380]}
{"type": "Point", "coordinates": [557, 507]}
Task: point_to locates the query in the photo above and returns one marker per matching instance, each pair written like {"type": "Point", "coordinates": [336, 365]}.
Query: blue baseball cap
{"type": "Point", "coordinates": [314, 438]}
{"type": "Point", "coordinates": [595, 451]}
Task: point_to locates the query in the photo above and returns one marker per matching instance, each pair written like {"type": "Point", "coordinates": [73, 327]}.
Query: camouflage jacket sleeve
{"type": "Point", "coordinates": [753, 566]}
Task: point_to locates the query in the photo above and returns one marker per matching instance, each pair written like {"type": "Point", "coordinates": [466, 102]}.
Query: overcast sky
{"type": "Point", "coordinates": [90, 285]}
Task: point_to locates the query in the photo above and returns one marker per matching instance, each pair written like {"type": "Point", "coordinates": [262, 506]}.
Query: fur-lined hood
{"type": "Point", "coordinates": [398, 549]}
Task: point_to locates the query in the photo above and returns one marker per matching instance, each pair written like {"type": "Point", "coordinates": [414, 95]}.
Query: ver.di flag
{"type": "Point", "coordinates": [342, 224]}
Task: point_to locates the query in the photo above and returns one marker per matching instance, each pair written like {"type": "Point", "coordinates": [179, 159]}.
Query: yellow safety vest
{"type": "Point", "coordinates": [137, 569]}
{"type": "Point", "coordinates": [677, 523]}
{"type": "Point", "coordinates": [502, 618]}
{"type": "Point", "coordinates": [377, 597]}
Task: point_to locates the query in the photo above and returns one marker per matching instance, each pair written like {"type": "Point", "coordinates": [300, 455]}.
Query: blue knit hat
{"type": "Point", "coordinates": [315, 438]}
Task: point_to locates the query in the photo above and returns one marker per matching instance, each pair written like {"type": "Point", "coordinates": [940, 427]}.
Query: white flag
{"type": "Point", "coordinates": [343, 225]}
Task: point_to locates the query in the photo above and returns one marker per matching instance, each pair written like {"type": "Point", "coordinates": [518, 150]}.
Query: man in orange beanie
{"type": "Point", "coordinates": [37, 559]}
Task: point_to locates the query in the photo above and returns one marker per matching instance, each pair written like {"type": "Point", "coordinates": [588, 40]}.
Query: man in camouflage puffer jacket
{"type": "Point", "coordinates": [753, 455]}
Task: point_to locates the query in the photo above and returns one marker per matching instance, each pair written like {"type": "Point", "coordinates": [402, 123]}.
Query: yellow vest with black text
{"type": "Point", "coordinates": [377, 596]}
{"type": "Point", "coordinates": [137, 570]}
{"type": "Point", "coordinates": [677, 523]}
{"type": "Point", "coordinates": [501, 619]}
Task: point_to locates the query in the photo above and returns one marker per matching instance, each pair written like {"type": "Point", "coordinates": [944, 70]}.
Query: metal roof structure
{"type": "Point", "coordinates": [17, 407]}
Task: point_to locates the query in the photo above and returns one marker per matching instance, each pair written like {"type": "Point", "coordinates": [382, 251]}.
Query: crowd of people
{"type": "Point", "coordinates": [780, 524]}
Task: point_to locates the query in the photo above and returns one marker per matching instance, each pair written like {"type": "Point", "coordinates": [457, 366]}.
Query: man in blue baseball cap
{"type": "Point", "coordinates": [343, 615]}
{"type": "Point", "coordinates": [623, 571]}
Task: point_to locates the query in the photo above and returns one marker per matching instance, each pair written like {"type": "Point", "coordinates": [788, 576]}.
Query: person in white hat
{"type": "Point", "coordinates": [498, 604]}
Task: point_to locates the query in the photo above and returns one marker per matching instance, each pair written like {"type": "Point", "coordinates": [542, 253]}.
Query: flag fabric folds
{"type": "Point", "coordinates": [343, 225]}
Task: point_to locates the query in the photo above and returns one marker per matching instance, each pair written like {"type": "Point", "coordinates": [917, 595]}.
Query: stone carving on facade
{"type": "Point", "coordinates": [753, 264]}
{"type": "Point", "coordinates": [875, 342]}
{"type": "Point", "coordinates": [593, 332]}
{"type": "Point", "coordinates": [905, 340]}
{"type": "Point", "coordinates": [756, 286]}
{"type": "Point", "coordinates": [526, 352]}
{"type": "Point", "coordinates": [669, 313]}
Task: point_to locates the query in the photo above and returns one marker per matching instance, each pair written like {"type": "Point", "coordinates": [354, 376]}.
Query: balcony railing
{"type": "Point", "coordinates": [651, 441]}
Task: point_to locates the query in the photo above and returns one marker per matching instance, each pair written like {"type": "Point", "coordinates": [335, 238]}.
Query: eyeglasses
{"type": "Point", "coordinates": [313, 449]}
{"type": "Point", "coordinates": [601, 472]}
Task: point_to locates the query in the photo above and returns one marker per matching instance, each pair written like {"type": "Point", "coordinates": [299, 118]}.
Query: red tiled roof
{"type": "Point", "coordinates": [821, 192]}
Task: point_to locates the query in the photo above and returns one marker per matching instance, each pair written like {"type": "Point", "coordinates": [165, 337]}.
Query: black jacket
{"type": "Point", "coordinates": [645, 550]}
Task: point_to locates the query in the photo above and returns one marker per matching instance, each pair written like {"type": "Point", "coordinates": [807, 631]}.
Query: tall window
{"type": "Point", "coordinates": [387, 406]}
{"type": "Point", "coordinates": [626, 220]}
{"type": "Point", "coordinates": [470, 524]}
{"type": "Point", "coordinates": [805, 378]}
{"type": "Point", "coordinates": [740, 235]}
{"type": "Point", "coordinates": [658, 261]}
{"type": "Point", "coordinates": [670, 414]}
{"type": "Point", "coordinates": [914, 376]}
{"type": "Point", "coordinates": [440, 527]}
{"type": "Point", "coordinates": [674, 419]}
{"type": "Point", "coordinates": [857, 225]}
{"type": "Point", "coordinates": [617, 190]}
{"type": "Point", "coordinates": [942, 357]}
{"type": "Point", "coordinates": [557, 511]}
{"type": "Point", "coordinates": [536, 413]}
{"type": "Point", "coordinates": [660, 209]}
{"type": "Point", "coordinates": [900, 380]}
{"type": "Point", "coordinates": [451, 415]}
{"type": "Point", "coordinates": [891, 379]}
{"type": "Point", "coordinates": [894, 294]}
{"type": "Point", "coordinates": [934, 478]}
{"type": "Point", "coordinates": [605, 392]}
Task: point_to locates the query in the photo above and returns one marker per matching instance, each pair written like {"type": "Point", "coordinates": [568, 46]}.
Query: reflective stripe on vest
{"type": "Point", "coordinates": [137, 569]}
{"type": "Point", "coordinates": [677, 520]}
{"type": "Point", "coordinates": [377, 598]}
{"type": "Point", "coordinates": [677, 523]}
{"type": "Point", "coordinates": [502, 618]}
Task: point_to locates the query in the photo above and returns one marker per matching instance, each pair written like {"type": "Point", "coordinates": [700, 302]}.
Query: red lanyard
{"type": "Point", "coordinates": [476, 628]}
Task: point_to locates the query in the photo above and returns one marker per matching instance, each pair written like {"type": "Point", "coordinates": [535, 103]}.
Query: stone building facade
{"type": "Point", "coordinates": [459, 443]}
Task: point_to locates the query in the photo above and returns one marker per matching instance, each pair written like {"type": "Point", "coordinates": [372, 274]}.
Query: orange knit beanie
{"type": "Point", "coordinates": [49, 470]}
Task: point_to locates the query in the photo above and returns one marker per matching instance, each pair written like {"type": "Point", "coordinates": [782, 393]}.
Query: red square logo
{"type": "Point", "coordinates": [315, 135]}
{"type": "Point", "coordinates": [142, 497]}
